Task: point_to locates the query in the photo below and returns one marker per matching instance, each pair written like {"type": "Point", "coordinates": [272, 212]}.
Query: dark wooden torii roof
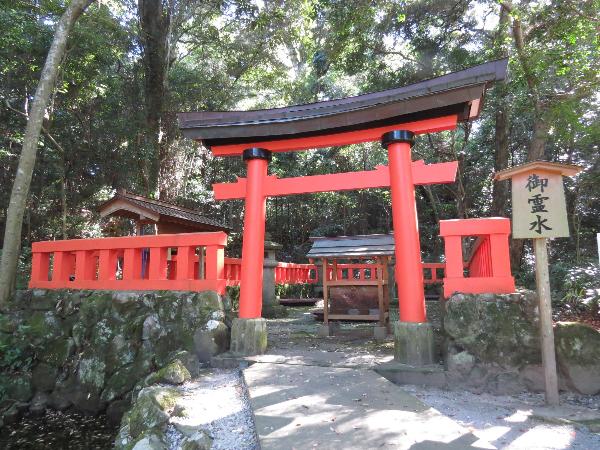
{"type": "Point", "coordinates": [170, 216]}
{"type": "Point", "coordinates": [458, 93]}
{"type": "Point", "coordinates": [352, 246]}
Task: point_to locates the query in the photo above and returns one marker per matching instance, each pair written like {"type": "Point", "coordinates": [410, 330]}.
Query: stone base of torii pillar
{"type": "Point", "coordinates": [414, 343]}
{"type": "Point", "coordinates": [248, 337]}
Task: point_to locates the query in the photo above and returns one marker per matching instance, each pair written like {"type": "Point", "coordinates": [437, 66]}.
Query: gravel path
{"type": "Point", "coordinates": [217, 402]}
{"type": "Point", "coordinates": [505, 421]}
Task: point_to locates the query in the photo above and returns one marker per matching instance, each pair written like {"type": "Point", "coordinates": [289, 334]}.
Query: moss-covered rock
{"type": "Point", "coordinates": [500, 329]}
{"type": "Point", "coordinates": [578, 356]}
{"type": "Point", "coordinates": [43, 377]}
{"type": "Point", "coordinates": [173, 373]}
{"type": "Point", "coordinates": [211, 340]}
{"type": "Point", "coordinates": [102, 335]}
{"type": "Point", "coordinates": [200, 440]}
{"type": "Point", "coordinates": [120, 352]}
{"type": "Point", "coordinates": [91, 371]}
{"type": "Point", "coordinates": [57, 351]}
{"type": "Point", "coordinates": [123, 381]}
{"type": "Point", "coordinates": [41, 327]}
{"type": "Point", "coordinates": [16, 386]}
{"type": "Point", "coordinates": [151, 410]}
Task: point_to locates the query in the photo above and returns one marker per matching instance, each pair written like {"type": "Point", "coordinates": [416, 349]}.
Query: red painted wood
{"type": "Point", "coordinates": [439, 173]}
{"type": "Point", "coordinates": [489, 263]}
{"type": "Point", "coordinates": [291, 273]}
{"type": "Point", "coordinates": [40, 266]}
{"type": "Point", "coordinates": [186, 257]}
{"type": "Point", "coordinates": [161, 240]}
{"type": "Point", "coordinates": [107, 265]}
{"type": "Point", "coordinates": [77, 258]}
{"type": "Point", "coordinates": [338, 139]}
{"type": "Point", "coordinates": [158, 263]}
{"type": "Point", "coordinates": [215, 270]}
{"type": "Point", "coordinates": [85, 267]}
{"type": "Point", "coordinates": [409, 271]}
{"type": "Point", "coordinates": [477, 227]}
{"type": "Point", "coordinates": [253, 246]}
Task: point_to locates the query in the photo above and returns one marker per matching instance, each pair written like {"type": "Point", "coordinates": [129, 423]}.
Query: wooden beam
{"type": "Point", "coordinates": [337, 139]}
{"type": "Point", "coordinates": [439, 173]}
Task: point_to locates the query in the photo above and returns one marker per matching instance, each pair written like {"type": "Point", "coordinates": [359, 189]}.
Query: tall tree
{"type": "Point", "coordinates": [22, 182]}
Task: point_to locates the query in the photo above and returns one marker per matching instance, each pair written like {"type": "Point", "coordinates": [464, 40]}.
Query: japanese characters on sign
{"type": "Point", "coordinates": [539, 209]}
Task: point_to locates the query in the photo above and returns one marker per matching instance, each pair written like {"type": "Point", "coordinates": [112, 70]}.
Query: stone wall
{"type": "Point", "coordinates": [493, 345]}
{"type": "Point", "coordinates": [87, 350]}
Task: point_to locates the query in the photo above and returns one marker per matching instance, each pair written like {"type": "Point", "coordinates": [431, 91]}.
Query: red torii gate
{"type": "Point", "coordinates": [394, 117]}
{"type": "Point", "coordinates": [401, 177]}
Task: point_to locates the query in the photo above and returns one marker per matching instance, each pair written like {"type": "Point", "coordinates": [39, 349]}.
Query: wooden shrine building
{"type": "Point", "coordinates": [167, 217]}
{"type": "Point", "coordinates": [355, 277]}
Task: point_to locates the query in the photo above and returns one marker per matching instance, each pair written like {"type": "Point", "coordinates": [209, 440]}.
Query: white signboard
{"type": "Point", "coordinates": [539, 208]}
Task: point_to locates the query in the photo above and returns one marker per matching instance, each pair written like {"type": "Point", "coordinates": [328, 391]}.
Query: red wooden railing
{"type": "Point", "coordinates": [191, 261]}
{"type": "Point", "coordinates": [433, 273]}
{"type": "Point", "coordinates": [361, 271]}
{"type": "Point", "coordinates": [233, 271]}
{"type": "Point", "coordinates": [292, 273]}
{"type": "Point", "coordinates": [161, 262]}
{"type": "Point", "coordinates": [487, 266]}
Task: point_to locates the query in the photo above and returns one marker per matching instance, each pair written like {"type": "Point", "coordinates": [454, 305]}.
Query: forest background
{"type": "Point", "coordinates": [131, 65]}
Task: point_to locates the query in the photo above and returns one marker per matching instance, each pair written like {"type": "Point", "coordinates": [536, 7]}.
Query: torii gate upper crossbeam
{"type": "Point", "coordinates": [434, 125]}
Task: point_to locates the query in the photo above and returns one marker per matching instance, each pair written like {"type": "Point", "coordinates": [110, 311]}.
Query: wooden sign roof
{"type": "Point", "coordinates": [458, 93]}
{"type": "Point", "coordinates": [566, 170]}
{"type": "Point", "coordinates": [126, 204]}
{"type": "Point", "coordinates": [349, 246]}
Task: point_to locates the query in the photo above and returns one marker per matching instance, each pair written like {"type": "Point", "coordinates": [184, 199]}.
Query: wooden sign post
{"type": "Point", "coordinates": [539, 212]}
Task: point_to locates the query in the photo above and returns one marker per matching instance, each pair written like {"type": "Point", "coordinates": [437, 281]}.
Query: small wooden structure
{"type": "Point", "coordinates": [167, 217]}
{"type": "Point", "coordinates": [355, 290]}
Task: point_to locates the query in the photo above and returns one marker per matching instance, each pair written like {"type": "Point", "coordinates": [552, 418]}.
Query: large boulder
{"type": "Point", "coordinates": [500, 329]}
{"type": "Point", "coordinates": [578, 356]}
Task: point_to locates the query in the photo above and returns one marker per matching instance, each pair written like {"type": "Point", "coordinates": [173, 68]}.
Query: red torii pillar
{"type": "Point", "coordinates": [409, 271]}
{"type": "Point", "coordinates": [253, 245]}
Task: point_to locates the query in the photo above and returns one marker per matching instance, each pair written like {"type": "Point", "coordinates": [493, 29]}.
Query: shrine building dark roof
{"type": "Point", "coordinates": [127, 204]}
{"type": "Point", "coordinates": [352, 246]}
{"type": "Point", "coordinates": [459, 93]}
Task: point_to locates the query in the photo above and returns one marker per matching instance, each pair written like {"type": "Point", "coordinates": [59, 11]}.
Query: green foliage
{"type": "Point", "coordinates": [580, 287]}
{"type": "Point", "coordinates": [305, 290]}
{"type": "Point", "coordinates": [233, 292]}
{"type": "Point", "coordinates": [242, 55]}
{"type": "Point", "coordinates": [16, 351]}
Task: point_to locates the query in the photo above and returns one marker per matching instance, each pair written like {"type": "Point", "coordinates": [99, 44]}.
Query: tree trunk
{"type": "Point", "coordinates": [155, 30]}
{"type": "Point", "coordinates": [21, 185]}
{"type": "Point", "coordinates": [501, 148]}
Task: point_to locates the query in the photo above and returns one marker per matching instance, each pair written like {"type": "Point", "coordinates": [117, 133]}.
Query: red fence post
{"type": "Point", "coordinates": [40, 267]}
{"type": "Point", "coordinates": [85, 266]}
{"type": "Point", "coordinates": [132, 264]}
{"type": "Point", "coordinates": [158, 263]}
{"type": "Point", "coordinates": [107, 265]}
{"type": "Point", "coordinates": [63, 269]}
{"type": "Point", "coordinates": [215, 264]}
{"type": "Point", "coordinates": [186, 258]}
